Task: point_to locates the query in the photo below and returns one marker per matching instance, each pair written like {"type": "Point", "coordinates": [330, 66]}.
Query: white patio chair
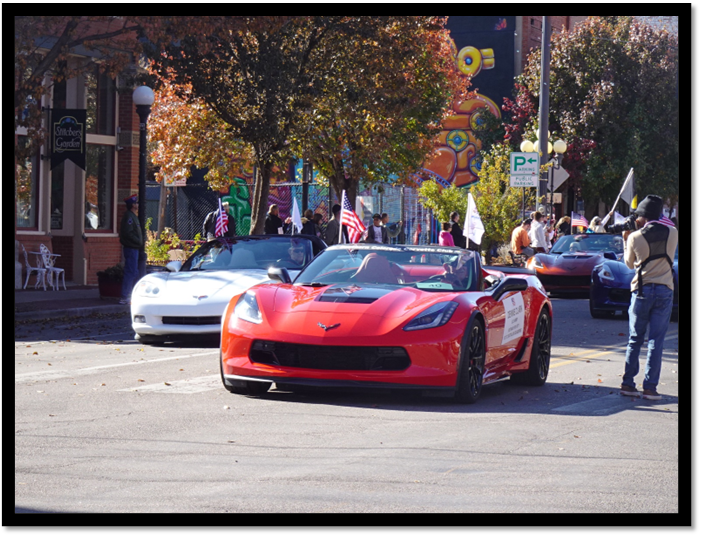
{"type": "Point", "coordinates": [41, 272]}
{"type": "Point", "coordinates": [52, 270]}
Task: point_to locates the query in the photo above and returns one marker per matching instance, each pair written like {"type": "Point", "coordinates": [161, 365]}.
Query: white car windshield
{"type": "Point", "coordinates": [428, 268]}
{"type": "Point", "coordinates": [251, 254]}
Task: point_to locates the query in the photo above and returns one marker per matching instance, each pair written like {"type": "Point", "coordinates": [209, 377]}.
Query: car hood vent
{"type": "Point", "coordinates": [579, 256]}
{"type": "Point", "coordinates": [345, 293]}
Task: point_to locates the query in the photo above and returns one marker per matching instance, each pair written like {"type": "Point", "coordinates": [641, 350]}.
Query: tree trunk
{"type": "Point", "coordinates": [339, 182]}
{"type": "Point", "coordinates": [259, 203]}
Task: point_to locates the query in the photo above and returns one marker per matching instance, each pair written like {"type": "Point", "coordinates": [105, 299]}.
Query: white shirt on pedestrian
{"type": "Point", "coordinates": [537, 236]}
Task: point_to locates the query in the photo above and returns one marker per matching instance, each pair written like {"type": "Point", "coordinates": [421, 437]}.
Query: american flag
{"type": "Point", "coordinates": [578, 220]}
{"type": "Point", "coordinates": [664, 219]}
{"type": "Point", "coordinates": [351, 220]}
{"type": "Point", "coordinates": [222, 222]}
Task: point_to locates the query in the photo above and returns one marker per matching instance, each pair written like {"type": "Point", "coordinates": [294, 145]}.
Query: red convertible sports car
{"type": "Point", "coordinates": [567, 267]}
{"type": "Point", "coordinates": [370, 315]}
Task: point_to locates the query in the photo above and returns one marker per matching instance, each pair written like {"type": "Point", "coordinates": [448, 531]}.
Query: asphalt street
{"type": "Point", "coordinates": [105, 424]}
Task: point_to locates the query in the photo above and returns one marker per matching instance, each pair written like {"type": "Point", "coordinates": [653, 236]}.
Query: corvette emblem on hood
{"type": "Point", "coordinates": [200, 297]}
{"type": "Point", "coordinates": [327, 328]}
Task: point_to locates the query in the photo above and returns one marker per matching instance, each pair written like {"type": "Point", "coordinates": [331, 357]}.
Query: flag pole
{"type": "Point", "coordinates": [340, 223]}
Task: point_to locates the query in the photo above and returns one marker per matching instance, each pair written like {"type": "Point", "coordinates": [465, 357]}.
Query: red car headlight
{"type": "Point", "coordinates": [433, 317]}
{"type": "Point", "coordinates": [247, 309]}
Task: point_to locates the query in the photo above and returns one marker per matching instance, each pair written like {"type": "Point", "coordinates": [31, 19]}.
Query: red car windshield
{"type": "Point", "coordinates": [588, 242]}
{"type": "Point", "coordinates": [430, 269]}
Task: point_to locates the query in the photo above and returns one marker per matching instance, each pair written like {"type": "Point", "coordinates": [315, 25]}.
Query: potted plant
{"type": "Point", "coordinates": [109, 281]}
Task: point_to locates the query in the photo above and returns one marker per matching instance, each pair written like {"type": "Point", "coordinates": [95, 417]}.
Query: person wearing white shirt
{"type": "Point", "coordinates": [537, 234]}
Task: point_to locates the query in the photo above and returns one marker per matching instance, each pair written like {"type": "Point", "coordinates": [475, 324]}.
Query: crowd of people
{"type": "Point", "coordinates": [536, 234]}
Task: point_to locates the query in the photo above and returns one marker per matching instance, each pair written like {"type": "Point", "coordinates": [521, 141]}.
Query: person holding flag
{"type": "Point", "coordinates": [349, 218]}
{"type": "Point", "coordinates": [218, 223]}
{"type": "Point", "coordinates": [334, 227]}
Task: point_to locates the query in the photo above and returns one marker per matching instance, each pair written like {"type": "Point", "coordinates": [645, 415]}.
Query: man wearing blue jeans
{"type": "Point", "coordinates": [649, 251]}
{"type": "Point", "coordinates": [131, 239]}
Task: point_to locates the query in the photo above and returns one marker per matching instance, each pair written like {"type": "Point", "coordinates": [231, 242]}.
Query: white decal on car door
{"type": "Point", "coordinates": [514, 312]}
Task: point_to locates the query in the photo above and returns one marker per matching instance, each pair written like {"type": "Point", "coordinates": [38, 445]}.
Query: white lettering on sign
{"type": "Point", "coordinates": [514, 313]}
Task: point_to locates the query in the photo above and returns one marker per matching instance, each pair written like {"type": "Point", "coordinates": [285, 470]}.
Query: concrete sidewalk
{"type": "Point", "coordinates": [38, 304]}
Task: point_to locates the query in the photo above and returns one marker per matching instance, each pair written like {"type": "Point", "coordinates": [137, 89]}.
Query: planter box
{"type": "Point", "coordinates": [110, 289]}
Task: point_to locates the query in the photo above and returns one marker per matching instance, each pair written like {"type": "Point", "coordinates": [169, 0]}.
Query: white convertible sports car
{"type": "Point", "coordinates": [191, 298]}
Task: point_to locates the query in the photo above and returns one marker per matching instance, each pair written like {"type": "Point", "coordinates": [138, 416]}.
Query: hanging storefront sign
{"type": "Point", "coordinates": [68, 136]}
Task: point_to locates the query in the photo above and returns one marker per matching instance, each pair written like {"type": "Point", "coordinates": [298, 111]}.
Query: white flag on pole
{"type": "Point", "coordinates": [296, 218]}
{"type": "Point", "coordinates": [626, 186]}
{"type": "Point", "coordinates": [473, 229]}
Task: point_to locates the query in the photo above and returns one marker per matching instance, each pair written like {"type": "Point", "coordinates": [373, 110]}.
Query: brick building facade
{"type": "Point", "coordinates": [75, 212]}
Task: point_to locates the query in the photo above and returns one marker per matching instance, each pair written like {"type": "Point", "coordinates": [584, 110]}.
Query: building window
{"type": "Point", "coordinates": [99, 187]}
{"type": "Point", "coordinates": [27, 190]}
{"type": "Point", "coordinates": [101, 99]}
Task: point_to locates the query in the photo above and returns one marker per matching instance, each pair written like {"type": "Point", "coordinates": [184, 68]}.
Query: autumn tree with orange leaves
{"type": "Point", "coordinates": [361, 97]}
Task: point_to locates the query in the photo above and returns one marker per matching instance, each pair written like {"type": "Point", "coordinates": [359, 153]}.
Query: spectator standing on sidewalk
{"type": "Point", "coordinates": [539, 242]}
{"type": "Point", "coordinates": [459, 239]}
{"type": "Point", "coordinates": [132, 240]}
{"type": "Point", "coordinates": [393, 229]}
{"type": "Point", "coordinates": [445, 238]}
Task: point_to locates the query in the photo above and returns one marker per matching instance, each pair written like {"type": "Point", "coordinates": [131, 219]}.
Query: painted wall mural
{"type": "Point", "coordinates": [483, 48]}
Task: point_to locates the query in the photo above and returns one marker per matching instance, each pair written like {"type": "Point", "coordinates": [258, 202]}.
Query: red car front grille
{"type": "Point", "coordinates": [312, 356]}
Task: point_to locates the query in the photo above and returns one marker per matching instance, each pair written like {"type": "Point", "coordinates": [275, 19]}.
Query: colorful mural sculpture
{"type": "Point", "coordinates": [457, 160]}
{"type": "Point", "coordinates": [239, 198]}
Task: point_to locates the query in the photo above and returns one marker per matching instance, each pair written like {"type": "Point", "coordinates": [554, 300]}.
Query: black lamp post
{"type": "Point", "coordinates": [143, 99]}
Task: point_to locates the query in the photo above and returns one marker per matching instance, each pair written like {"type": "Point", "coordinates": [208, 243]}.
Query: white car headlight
{"type": "Point", "coordinates": [247, 308]}
{"type": "Point", "coordinates": [433, 317]}
{"type": "Point", "coordinates": [147, 289]}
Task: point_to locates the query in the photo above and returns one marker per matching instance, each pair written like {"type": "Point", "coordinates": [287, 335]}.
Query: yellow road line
{"type": "Point", "coordinates": [587, 354]}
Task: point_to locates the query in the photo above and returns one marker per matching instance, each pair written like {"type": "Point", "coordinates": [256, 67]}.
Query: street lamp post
{"type": "Point", "coordinates": [143, 99]}
{"type": "Point", "coordinates": [560, 148]}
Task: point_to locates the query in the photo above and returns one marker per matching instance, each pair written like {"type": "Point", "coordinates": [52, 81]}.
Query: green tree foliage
{"type": "Point", "coordinates": [498, 204]}
{"type": "Point", "coordinates": [379, 120]}
{"type": "Point", "coordinates": [613, 80]}
{"type": "Point", "coordinates": [443, 201]}
{"type": "Point", "coordinates": [361, 97]}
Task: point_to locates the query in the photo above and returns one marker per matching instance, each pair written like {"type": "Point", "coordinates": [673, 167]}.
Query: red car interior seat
{"type": "Point", "coordinates": [375, 269]}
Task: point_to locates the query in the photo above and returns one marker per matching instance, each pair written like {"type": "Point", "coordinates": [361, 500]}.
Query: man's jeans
{"type": "Point", "coordinates": [652, 309]}
{"type": "Point", "coordinates": [131, 271]}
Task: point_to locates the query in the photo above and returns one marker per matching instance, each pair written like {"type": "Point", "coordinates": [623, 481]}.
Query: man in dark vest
{"type": "Point", "coordinates": [649, 251]}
